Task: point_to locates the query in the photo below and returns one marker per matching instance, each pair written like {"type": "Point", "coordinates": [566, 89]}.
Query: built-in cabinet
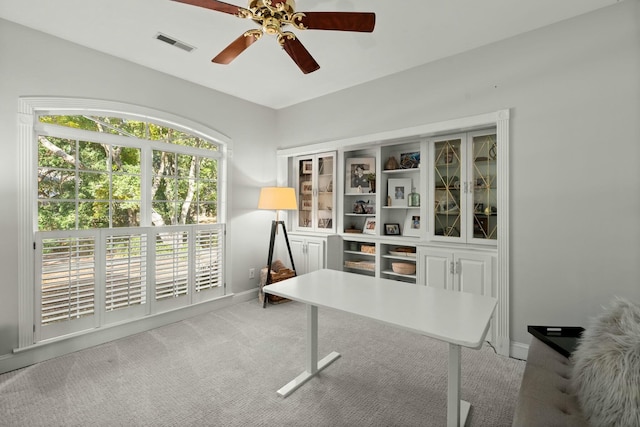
{"type": "Point", "coordinates": [308, 253]}
{"type": "Point", "coordinates": [463, 190]}
{"type": "Point", "coordinates": [315, 181]}
{"type": "Point", "coordinates": [456, 270]}
{"type": "Point", "coordinates": [404, 195]}
{"type": "Point", "coordinates": [428, 207]}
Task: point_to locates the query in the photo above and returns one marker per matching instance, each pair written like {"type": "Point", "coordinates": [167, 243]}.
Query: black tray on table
{"type": "Point", "coordinates": [563, 339]}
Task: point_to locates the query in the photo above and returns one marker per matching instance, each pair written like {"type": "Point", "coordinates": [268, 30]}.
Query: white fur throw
{"type": "Point", "coordinates": [606, 373]}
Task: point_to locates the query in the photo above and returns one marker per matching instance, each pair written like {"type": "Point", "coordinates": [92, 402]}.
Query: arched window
{"type": "Point", "coordinates": [127, 214]}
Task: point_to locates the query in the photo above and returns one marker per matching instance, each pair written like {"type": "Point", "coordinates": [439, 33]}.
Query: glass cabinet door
{"type": "Point", "coordinates": [316, 198]}
{"type": "Point", "coordinates": [305, 192]}
{"type": "Point", "coordinates": [447, 179]}
{"type": "Point", "coordinates": [484, 185]}
{"type": "Point", "coordinates": [325, 196]}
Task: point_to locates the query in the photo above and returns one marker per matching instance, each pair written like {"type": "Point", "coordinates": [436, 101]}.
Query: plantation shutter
{"type": "Point", "coordinates": [172, 264]}
{"type": "Point", "coordinates": [66, 283]}
{"type": "Point", "coordinates": [209, 264]}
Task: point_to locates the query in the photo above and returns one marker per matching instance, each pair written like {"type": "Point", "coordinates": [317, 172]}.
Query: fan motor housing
{"type": "Point", "coordinates": [289, 6]}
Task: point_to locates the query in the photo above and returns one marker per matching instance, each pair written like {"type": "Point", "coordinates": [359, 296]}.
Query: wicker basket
{"type": "Point", "coordinates": [368, 249]}
{"type": "Point", "coordinates": [276, 276]}
{"type": "Point", "coordinates": [403, 267]}
{"type": "Point", "coordinates": [360, 265]}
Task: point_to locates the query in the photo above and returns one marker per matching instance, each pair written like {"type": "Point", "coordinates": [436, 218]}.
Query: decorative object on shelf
{"type": "Point", "coordinates": [369, 226]}
{"type": "Point", "coordinates": [363, 207]}
{"type": "Point", "coordinates": [306, 204]}
{"type": "Point", "coordinates": [391, 164]}
{"type": "Point", "coordinates": [353, 230]}
{"type": "Point", "coordinates": [403, 267]}
{"type": "Point", "coordinates": [357, 174]}
{"type": "Point", "coordinates": [398, 191]}
{"type": "Point", "coordinates": [326, 166]}
{"type": "Point", "coordinates": [493, 151]}
{"type": "Point", "coordinates": [307, 167]}
{"type": "Point", "coordinates": [414, 198]}
{"type": "Point", "coordinates": [392, 229]}
{"type": "Point", "coordinates": [360, 265]}
{"type": "Point", "coordinates": [368, 249]}
{"type": "Point", "coordinates": [407, 251]}
{"type": "Point", "coordinates": [447, 154]}
{"type": "Point", "coordinates": [372, 182]}
{"type": "Point", "coordinates": [410, 160]}
{"type": "Point", "coordinates": [277, 198]}
{"type": "Point", "coordinates": [480, 227]}
{"type": "Point", "coordinates": [412, 226]}
{"type": "Point", "coordinates": [306, 187]}
{"type": "Point", "coordinates": [325, 222]}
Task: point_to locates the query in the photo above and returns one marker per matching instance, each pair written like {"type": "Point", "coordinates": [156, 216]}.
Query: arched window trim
{"type": "Point", "coordinates": [29, 109]}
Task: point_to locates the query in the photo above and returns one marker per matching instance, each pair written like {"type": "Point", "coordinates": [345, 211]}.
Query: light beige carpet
{"type": "Point", "coordinates": [223, 369]}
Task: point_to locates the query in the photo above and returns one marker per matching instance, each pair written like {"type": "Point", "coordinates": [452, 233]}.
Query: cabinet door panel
{"type": "Point", "coordinates": [297, 250]}
{"type": "Point", "coordinates": [315, 256]}
{"type": "Point", "coordinates": [473, 273]}
{"type": "Point", "coordinates": [436, 269]}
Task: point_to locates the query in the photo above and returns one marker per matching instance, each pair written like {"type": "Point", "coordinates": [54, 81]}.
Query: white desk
{"type": "Point", "coordinates": [458, 318]}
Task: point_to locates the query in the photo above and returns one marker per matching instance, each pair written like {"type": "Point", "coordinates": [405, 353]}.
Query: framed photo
{"type": "Point", "coordinates": [369, 226]}
{"type": "Point", "coordinates": [307, 166]}
{"type": "Point", "coordinates": [398, 191]}
{"type": "Point", "coordinates": [412, 226]}
{"type": "Point", "coordinates": [357, 174]}
{"type": "Point", "coordinates": [306, 204]}
{"type": "Point", "coordinates": [306, 187]}
{"type": "Point", "coordinates": [410, 160]}
{"type": "Point", "coordinates": [392, 229]}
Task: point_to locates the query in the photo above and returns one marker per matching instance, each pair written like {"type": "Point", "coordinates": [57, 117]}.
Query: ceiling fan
{"type": "Point", "coordinates": [273, 16]}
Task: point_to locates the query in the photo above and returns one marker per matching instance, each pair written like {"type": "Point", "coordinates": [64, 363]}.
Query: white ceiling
{"type": "Point", "coordinates": [408, 33]}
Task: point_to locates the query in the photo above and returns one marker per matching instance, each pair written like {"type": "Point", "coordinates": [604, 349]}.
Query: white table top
{"type": "Point", "coordinates": [454, 317]}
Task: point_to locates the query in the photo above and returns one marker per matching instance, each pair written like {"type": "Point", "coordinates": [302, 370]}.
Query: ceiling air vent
{"type": "Point", "coordinates": [177, 43]}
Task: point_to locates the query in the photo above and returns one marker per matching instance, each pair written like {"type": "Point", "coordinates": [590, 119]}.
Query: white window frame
{"type": "Point", "coordinates": [29, 110]}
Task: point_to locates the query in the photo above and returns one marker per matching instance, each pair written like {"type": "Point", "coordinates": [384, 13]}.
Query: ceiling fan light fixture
{"type": "Point", "coordinates": [273, 15]}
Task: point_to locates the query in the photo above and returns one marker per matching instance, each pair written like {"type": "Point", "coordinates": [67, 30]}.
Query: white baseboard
{"type": "Point", "coordinates": [519, 350]}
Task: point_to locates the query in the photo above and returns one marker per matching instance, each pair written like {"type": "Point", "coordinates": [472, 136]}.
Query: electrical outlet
{"type": "Point", "coordinates": [252, 273]}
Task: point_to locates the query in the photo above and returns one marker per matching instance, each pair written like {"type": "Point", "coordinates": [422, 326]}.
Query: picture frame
{"type": "Point", "coordinates": [410, 160]}
{"type": "Point", "coordinates": [369, 226]}
{"type": "Point", "coordinates": [306, 187]}
{"type": "Point", "coordinates": [392, 229]}
{"type": "Point", "coordinates": [307, 166]}
{"type": "Point", "coordinates": [357, 171]}
{"type": "Point", "coordinates": [412, 225]}
{"type": "Point", "coordinates": [306, 204]}
{"type": "Point", "coordinates": [398, 190]}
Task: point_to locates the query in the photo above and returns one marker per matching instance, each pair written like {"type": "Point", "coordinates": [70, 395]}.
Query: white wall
{"type": "Point", "coordinates": [574, 94]}
{"type": "Point", "coordinates": [34, 64]}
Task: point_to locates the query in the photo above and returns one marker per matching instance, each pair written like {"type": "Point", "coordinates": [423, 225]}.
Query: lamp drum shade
{"type": "Point", "coordinates": [278, 198]}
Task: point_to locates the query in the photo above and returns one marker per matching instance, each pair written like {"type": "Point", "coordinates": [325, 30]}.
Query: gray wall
{"type": "Point", "coordinates": [574, 94]}
{"type": "Point", "coordinates": [34, 64]}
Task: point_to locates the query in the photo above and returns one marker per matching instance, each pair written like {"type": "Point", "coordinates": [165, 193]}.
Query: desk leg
{"type": "Point", "coordinates": [457, 410]}
{"type": "Point", "coordinates": [312, 365]}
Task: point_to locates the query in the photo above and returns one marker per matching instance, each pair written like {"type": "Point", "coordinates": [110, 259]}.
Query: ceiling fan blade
{"type": "Point", "coordinates": [340, 21]}
{"type": "Point", "coordinates": [300, 55]}
{"type": "Point", "coordinates": [213, 5]}
{"type": "Point", "coordinates": [234, 49]}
